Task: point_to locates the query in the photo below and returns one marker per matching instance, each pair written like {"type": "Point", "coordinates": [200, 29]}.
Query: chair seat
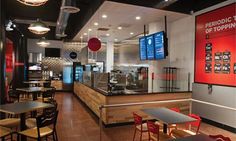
{"type": "Point", "coordinates": [145, 129]}
{"type": "Point", "coordinates": [4, 131]}
{"type": "Point", "coordinates": [10, 122]}
{"type": "Point", "coordinates": [162, 137]}
{"type": "Point", "coordinates": [33, 133]}
{"type": "Point", "coordinates": [178, 133]}
{"type": "Point", "coordinates": [31, 122]}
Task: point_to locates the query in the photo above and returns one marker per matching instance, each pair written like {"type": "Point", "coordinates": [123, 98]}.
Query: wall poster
{"type": "Point", "coordinates": [215, 47]}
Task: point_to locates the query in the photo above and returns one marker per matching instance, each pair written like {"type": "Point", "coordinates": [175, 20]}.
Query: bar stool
{"type": "Point", "coordinates": [139, 125]}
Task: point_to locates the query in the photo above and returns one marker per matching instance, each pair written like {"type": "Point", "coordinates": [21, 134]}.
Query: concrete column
{"type": "Point", "coordinates": [109, 56]}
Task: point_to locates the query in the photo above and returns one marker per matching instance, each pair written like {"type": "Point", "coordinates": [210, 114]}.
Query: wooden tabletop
{"type": "Point", "coordinates": [33, 89]}
{"type": "Point", "coordinates": [199, 137]}
{"type": "Point", "coordinates": [168, 116]}
{"type": "Point", "coordinates": [23, 107]}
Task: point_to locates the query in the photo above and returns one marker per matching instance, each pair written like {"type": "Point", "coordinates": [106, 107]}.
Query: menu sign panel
{"type": "Point", "coordinates": [215, 48]}
{"type": "Point", "coordinates": [142, 48]}
{"type": "Point", "coordinates": [150, 47]}
{"type": "Point", "coordinates": [159, 45]}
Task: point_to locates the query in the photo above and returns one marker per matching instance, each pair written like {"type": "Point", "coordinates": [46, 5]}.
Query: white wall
{"type": "Point", "coordinates": [181, 49]}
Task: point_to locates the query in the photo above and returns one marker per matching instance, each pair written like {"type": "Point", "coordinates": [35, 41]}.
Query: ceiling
{"type": "Point", "coordinates": [117, 16]}
{"type": "Point", "coordinates": [50, 11]}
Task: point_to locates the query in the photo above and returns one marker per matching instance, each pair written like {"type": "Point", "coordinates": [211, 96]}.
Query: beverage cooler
{"type": "Point", "coordinates": [78, 72]}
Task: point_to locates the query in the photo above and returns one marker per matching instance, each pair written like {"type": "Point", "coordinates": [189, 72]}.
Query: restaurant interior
{"type": "Point", "coordinates": [118, 70]}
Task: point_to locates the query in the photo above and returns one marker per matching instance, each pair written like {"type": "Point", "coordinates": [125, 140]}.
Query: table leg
{"type": "Point", "coordinates": [165, 128]}
{"type": "Point", "coordinates": [22, 125]}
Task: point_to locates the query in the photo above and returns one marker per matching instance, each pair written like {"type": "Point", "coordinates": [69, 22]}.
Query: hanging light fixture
{"type": "Point", "coordinates": [43, 42]}
{"type": "Point", "coordinates": [33, 2]}
{"type": "Point", "coordinates": [38, 27]}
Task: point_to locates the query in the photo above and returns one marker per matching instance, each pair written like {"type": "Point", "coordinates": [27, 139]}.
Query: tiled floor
{"type": "Point", "coordinates": [77, 123]}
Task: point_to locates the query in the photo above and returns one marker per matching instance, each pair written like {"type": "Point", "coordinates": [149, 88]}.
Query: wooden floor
{"type": "Point", "coordinates": [77, 123]}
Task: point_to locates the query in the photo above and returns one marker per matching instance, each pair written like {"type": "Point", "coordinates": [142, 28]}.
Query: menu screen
{"type": "Point", "coordinates": [150, 47]}
{"type": "Point", "coordinates": [142, 49]}
{"type": "Point", "coordinates": [159, 45]}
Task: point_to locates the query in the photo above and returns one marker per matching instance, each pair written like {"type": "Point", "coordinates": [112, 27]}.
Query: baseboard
{"type": "Point", "coordinates": [220, 125]}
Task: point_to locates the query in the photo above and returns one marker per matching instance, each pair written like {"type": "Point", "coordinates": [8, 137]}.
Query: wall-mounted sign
{"type": "Point", "coordinates": [215, 48]}
{"type": "Point", "coordinates": [94, 44]}
{"type": "Point", "coordinates": [73, 55]}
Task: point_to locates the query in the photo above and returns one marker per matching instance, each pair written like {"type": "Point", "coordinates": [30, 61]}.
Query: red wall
{"type": "Point", "coordinates": [222, 36]}
{"type": "Point", "coordinates": [9, 56]}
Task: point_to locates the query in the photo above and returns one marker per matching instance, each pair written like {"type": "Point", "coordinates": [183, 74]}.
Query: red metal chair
{"type": "Point", "coordinates": [183, 133]}
{"type": "Point", "coordinates": [139, 125]}
{"type": "Point", "coordinates": [220, 137]}
{"type": "Point", "coordinates": [175, 109]}
{"type": "Point", "coordinates": [154, 133]}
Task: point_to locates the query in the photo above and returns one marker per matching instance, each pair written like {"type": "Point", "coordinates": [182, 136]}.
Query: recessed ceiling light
{"type": "Point", "coordinates": [119, 27]}
{"type": "Point", "coordinates": [137, 17]}
{"type": "Point", "coordinates": [96, 24]}
{"type": "Point", "coordinates": [166, 0]}
{"type": "Point", "coordinates": [116, 40]}
{"type": "Point", "coordinates": [131, 33]}
{"type": "Point", "coordinates": [104, 16]}
{"type": "Point", "coordinates": [107, 34]}
{"type": "Point", "coordinates": [81, 37]}
{"type": "Point", "coordinates": [85, 34]}
{"type": "Point", "coordinates": [89, 29]}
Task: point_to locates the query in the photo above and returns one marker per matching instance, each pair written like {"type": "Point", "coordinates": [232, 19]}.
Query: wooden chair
{"type": "Point", "coordinates": [139, 125]}
{"type": "Point", "coordinates": [220, 137]}
{"type": "Point", "coordinates": [178, 133]}
{"type": "Point", "coordinates": [43, 130]}
{"type": "Point", "coordinates": [4, 132]}
{"type": "Point", "coordinates": [154, 133]}
{"type": "Point", "coordinates": [31, 122]}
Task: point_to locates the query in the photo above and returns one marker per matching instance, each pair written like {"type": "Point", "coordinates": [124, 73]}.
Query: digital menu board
{"type": "Point", "coordinates": [142, 49]}
{"type": "Point", "coordinates": [159, 45]}
{"type": "Point", "coordinates": [150, 47]}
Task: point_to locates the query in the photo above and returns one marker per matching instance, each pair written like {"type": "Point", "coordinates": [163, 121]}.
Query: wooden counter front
{"type": "Point", "coordinates": [93, 99]}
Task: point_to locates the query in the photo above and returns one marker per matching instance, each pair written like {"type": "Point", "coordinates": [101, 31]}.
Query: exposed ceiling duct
{"type": "Point", "coordinates": [67, 7]}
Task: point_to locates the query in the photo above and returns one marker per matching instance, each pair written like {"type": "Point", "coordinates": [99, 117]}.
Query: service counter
{"type": "Point", "coordinates": [93, 98]}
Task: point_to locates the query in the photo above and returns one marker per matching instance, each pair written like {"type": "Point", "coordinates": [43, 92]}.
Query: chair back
{"type": "Point", "coordinates": [49, 93]}
{"type": "Point", "coordinates": [47, 85]}
{"type": "Point", "coordinates": [196, 123]}
{"type": "Point", "coordinates": [175, 109]}
{"type": "Point", "coordinates": [138, 120]}
{"type": "Point", "coordinates": [47, 119]}
{"type": "Point", "coordinates": [51, 109]}
{"type": "Point", "coordinates": [220, 137]}
{"type": "Point", "coordinates": [153, 129]}
{"type": "Point", "coordinates": [14, 95]}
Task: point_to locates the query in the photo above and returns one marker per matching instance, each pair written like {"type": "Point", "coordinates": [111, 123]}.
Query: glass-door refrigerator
{"type": "Point", "coordinates": [78, 72]}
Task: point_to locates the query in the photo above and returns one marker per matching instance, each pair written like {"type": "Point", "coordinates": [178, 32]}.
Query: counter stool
{"type": "Point", "coordinates": [139, 125]}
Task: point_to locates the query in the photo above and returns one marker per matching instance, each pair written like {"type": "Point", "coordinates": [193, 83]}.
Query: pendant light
{"type": "Point", "coordinates": [43, 42]}
{"type": "Point", "coordinates": [38, 27]}
{"type": "Point", "coordinates": [33, 2]}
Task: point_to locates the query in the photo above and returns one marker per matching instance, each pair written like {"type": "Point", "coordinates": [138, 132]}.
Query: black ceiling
{"type": "Point", "coordinates": [50, 11]}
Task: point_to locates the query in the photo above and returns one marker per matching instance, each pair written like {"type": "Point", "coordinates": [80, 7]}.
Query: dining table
{"type": "Point", "coordinates": [33, 90]}
{"type": "Point", "coordinates": [36, 82]}
{"type": "Point", "coordinates": [198, 137]}
{"type": "Point", "coordinates": [21, 108]}
{"type": "Point", "coordinates": [167, 116]}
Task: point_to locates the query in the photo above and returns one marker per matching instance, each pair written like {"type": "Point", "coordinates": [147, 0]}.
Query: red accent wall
{"type": "Point", "coordinates": [215, 47]}
{"type": "Point", "coordinates": [9, 56]}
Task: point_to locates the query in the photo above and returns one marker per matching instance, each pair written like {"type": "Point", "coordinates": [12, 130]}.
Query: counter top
{"type": "Point", "coordinates": [129, 92]}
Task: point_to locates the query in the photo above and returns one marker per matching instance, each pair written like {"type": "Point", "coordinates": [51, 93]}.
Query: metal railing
{"type": "Point", "coordinates": [155, 102]}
